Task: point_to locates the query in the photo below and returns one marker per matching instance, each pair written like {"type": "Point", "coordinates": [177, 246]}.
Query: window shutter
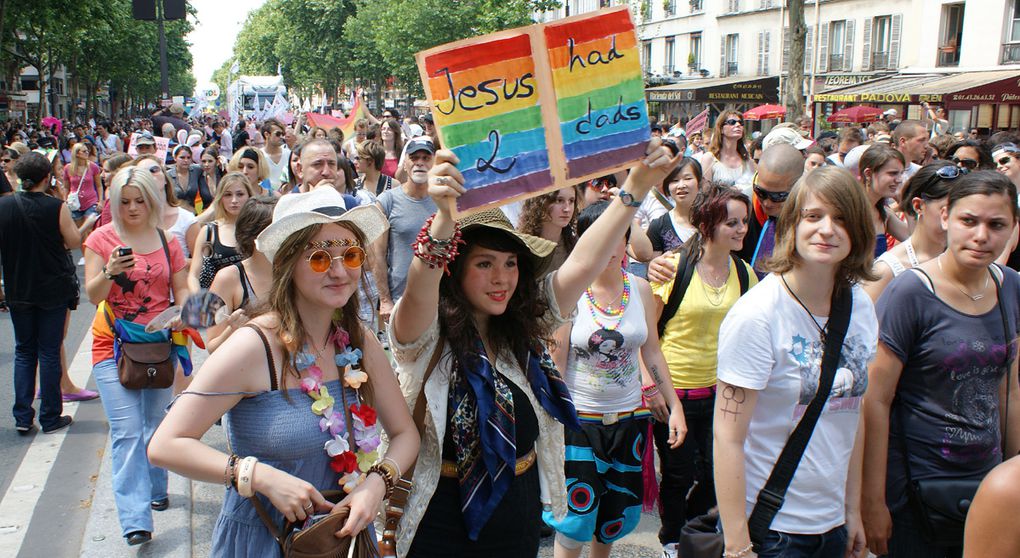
{"type": "Point", "coordinates": [808, 49]}
{"type": "Point", "coordinates": [894, 42]}
{"type": "Point", "coordinates": [866, 53]}
{"type": "Point", "coordinates": [722, 57]}
{"type": "Point", "coordinates": [761, 50]}
{"type": "Point", "coordinates": [823, 48]}
{"type": "Point", "coordinates": [786, 50]}
{"type": "Point", "coordinates": [848, 49]}
{"type": "Point", "coordinates": [765, 60]}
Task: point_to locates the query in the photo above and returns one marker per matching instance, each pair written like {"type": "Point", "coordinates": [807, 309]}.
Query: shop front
{"type": "Point", "coordinates": [988, 101]}
{"type": "Point", "coordinates": [681, 101]}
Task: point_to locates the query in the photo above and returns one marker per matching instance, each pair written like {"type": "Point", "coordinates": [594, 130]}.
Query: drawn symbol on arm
{"type": "Point", "coordinates": [733, 398]}
{"type": "Point", "coordinates": [483, 165]}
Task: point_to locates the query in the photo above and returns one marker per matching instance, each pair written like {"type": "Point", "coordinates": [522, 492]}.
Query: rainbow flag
{"type": "Point", "coordinates": [539, 108]}
{"type": "Point", "coordinates": [603, 117]}
{"type": "Point", "coordinates": [485, 100]}
{"type": "Point", "coordinates": [346, 125]}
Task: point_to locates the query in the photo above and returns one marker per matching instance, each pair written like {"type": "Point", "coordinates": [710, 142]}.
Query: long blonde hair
{"type": "Point", "coordinates": [79, 169]}
{"type": "Point", "coordinates": [225, 182]}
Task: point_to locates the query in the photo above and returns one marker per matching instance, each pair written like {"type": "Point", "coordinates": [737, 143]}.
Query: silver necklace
{"type": "Point", "coordinates": [973, 297]}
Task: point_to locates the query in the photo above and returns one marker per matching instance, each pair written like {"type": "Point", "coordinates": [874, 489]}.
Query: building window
{"type": "Point", "coordinates": [837, 45]}
{"type": "Point", "coordinates": [30, 84]}
{"type": "Point", "coordinates": [668, 68]}
{"type": "Point", "coordinates": [696, 6]}
{"type": "Point", "coordinates": [604, 3]}
{"type": "Point", "coordinates": [694, 58]}
{"type": "Point", "coordinates": [881, 37]}
{"type": "Point", "coordinates": [1011, 47]}
{"type": "Point", "coordinates": [646, 56]}
{"type": "Point", "coordinates": [951, 36]}
{"type": "Point", "coordinates": [730, 54]}
{"type": "Point", "coordinates": [669, 7]}
{"type": "Point", "coordinates": [646, 10]}
{"type": "Point", "coordinates": [734, 6]}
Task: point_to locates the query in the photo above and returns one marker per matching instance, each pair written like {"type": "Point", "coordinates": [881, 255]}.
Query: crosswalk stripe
{"type": "Point", "coordinates": [27, 485]}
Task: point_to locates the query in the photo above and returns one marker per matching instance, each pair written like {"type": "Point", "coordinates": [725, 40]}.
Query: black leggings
{"type": "Point", "coordinates": [684, 466]}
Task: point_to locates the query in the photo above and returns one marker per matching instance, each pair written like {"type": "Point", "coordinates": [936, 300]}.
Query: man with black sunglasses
{"type": "Point", "coordinates": [779, 168]}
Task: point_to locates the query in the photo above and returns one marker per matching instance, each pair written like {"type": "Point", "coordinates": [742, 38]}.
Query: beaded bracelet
{"type": "Point", "coordinates": [435, 252]}
{"type": "Point", "coordinates": [740, 554]}
{"type": "Point", "coordinates": [396, 467]}
{"type": "Point", "coordinates": [646, 389]}
{"type": "Point", "coordinates": [388, 475]}
{"type": "Point", "coordinates": [230, 471]}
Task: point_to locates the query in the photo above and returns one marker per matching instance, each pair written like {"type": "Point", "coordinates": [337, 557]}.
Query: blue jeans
{"type": "Point", "coordinates": [786, 545]}
{"type": "Point", "coordinates": [38, 335]}
{"type": "Point", "coordinates": [134, 415]}
{"type": "Point", "coordinates": [82, 213]}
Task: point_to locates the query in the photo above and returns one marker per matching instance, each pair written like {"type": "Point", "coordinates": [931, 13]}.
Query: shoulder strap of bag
{"type": "Point", "coordinates": [266, 520]}
{"type": "Point", "coordinates": [742, 276]}
{"type": "Point", "coordinates": [402, 490]}
{"type": "Point", "coordinates": [684, 273]}
{"type": "Point", "coordinates": [169, 263]}
{"type": "Point", "coordinates": [772, 495]}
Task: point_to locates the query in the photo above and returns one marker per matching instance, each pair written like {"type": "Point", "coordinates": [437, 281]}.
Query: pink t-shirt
{"type": "Point", "coordinates": [88, 194]}
{"type": "Point", "coordinates": [140, 294]}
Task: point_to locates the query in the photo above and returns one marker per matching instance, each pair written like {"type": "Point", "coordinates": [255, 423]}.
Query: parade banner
{"type": "Point", "coordinates": [162, 146]}
{"type": "Point", "coordinates": [539, 108]}
{"type": "Point", "coordinates": [698, 123]}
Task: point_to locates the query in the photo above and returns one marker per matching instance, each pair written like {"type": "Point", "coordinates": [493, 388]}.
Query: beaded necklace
{"type": "Point", "coordinates": [352, 460]}
{"type": "Point", "coordinates": [610, 312]}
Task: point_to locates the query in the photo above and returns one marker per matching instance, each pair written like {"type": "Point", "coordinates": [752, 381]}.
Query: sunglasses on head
{"type": "Point", "coordinates": [951, 172]}
{"type": "Point", "coordinates": [733, 122]}
{"type": "Point", "coordinates": [969, 164]}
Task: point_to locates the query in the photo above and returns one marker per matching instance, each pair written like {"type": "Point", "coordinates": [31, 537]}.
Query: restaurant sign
{"type": "Point", "coordinates": [886, 98]}
{"type": "Point", "coordinates": [846, 80]}
{"type": "Point", "coordinates": [755, 91]}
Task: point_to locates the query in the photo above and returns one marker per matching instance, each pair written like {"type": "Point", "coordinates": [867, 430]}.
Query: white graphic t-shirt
{"type": "Point", "coordinates": [768, 343]}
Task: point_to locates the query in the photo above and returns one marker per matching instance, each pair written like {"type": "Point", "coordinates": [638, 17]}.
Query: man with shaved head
{"type": "Point", "coordinates": [911, 139]}
{"type": "Point", "coordinates": [779, 168]}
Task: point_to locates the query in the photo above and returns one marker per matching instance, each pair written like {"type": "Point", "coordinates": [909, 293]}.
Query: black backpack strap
{"type": "Point", "coordinates": [772, 495]}
{"type": "Point", "coordinates": [682, 280]}
{"type": "Point", "coordinates": [742, 276]}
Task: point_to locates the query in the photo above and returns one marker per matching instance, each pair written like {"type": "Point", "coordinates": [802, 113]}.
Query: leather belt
{"type": "Point", "coordinates": [449, 468]}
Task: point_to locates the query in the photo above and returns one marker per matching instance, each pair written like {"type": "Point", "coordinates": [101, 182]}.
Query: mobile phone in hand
{"type": "Point", "coordinates": [124, 251]}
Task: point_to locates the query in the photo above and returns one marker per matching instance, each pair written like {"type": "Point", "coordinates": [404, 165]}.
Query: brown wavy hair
{"type": "Point", "coordinates": [535, 212]}
{"type": "Point", "coordinates": [513, 334]}
{"type": "Point", "coordinates": [838, 189]}
{"type": "Point", "coordinates": [716, 143]}
{"type": "Point", "coordinates": [290, 331]}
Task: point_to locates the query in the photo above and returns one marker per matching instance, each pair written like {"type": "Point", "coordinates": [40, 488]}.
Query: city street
{"type": "Point", "coordinates": [56, 488]}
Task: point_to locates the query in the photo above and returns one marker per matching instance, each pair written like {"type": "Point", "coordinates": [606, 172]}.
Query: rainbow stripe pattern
{"type": "Point", "coordinates": [602, 114]}
{"type": "Point", "coordinates": [485, 100]}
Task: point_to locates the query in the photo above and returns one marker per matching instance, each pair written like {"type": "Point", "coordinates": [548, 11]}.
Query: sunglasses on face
{"type": "Point", "coordinates": [1005, 160]}
{"type": "Point", "coordinates": [733, 122]}
{"type": "Point", "coordinates": [321, 260]}
{"type": "Point", "coordinates": [774, 197]}
{"type": "Point", "coordinates": [969, 164]}
{"type": "Point", "coordinates": [279, 134]}
{"type": "Point", "coordinates": [5, 160]}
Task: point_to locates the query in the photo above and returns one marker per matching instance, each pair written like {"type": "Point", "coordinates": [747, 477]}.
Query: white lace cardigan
{"type": "Point", "coordinates": [412, 359]}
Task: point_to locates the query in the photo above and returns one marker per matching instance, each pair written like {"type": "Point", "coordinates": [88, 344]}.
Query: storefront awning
{"type": "Point", "coordinates": [960, 90]}
{"type": "Point", "coordinates": [718, 90]}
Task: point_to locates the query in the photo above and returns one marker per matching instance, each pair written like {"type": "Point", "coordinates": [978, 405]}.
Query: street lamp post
{"type": "Point", "coordinates": [164, 77]}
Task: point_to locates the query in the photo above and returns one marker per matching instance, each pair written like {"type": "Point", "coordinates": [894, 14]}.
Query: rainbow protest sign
{"type": "Point", "coordinates": [539, 108]}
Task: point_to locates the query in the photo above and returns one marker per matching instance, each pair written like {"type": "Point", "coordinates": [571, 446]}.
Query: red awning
{"type": "Point", "coordinates": [857, 114]}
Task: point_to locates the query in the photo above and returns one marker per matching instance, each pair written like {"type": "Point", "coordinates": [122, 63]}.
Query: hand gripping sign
{"type": "Point", "coordinates": [539, 108]}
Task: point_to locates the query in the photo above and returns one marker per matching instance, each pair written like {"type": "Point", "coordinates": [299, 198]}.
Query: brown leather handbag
{"type": "Point", "coordinates": [319, 539]}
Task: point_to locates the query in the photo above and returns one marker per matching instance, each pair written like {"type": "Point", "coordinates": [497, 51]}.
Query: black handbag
{"type": "Point", "coordinates": [941, 504]}
{"type": "Point", "coordinates": [702, 536]}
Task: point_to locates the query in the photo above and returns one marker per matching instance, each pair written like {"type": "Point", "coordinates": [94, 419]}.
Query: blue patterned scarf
{"type": "Point", "coordinates": [483, 427]}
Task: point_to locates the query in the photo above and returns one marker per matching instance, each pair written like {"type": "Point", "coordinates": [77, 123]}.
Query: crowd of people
{"type": "Point", "coordinates": [661, 338]}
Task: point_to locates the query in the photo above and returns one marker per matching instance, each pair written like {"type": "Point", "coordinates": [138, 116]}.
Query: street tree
{"type": "Point", "coordinates": [794, 97]}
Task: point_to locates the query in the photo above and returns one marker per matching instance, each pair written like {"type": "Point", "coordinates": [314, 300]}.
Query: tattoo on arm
{"type": "Point", "coordinates": [733, 399]}
{"type": "Point", "coordinates": [655, 373]}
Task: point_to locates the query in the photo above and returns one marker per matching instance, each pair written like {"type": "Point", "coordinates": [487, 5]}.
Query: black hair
{"type": "Point", "coordinates": [590, 214]}
{"type": "Point", "coordinates": [32, 168]}
{"type": "Point", "coordinates": [684, 163]}
{"type": "Point", "coordinates": [925, 184]}
{"type": "Point", "coordinates": [984, 154]}
{"type": "Point", "coordinates": [520, 328]}
{"type": "Point", "coordinates": [984, 183]}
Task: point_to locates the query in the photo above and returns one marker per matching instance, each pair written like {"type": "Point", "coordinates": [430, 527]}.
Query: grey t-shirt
{"type": "Point", "coordinates": [947, 400]}
{"type": "Point", "coordinates": [406, 216]}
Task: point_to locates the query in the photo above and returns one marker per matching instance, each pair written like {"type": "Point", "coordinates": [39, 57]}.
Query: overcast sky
{"type": "Point", "coordinates": [212, 41]}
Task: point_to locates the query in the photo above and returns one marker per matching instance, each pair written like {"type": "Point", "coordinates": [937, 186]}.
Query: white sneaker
{"type": "Point", "coordinates": [669, 550]}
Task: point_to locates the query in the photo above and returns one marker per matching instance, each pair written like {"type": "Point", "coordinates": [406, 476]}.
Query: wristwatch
{"type": "Point", "coordinates": [107, 274]}
{"type": "Point", "coordinates": [628, 199]}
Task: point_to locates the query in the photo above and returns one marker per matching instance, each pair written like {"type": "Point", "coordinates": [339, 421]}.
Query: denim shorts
{"type": "Point", "coordinates": [81, 213]}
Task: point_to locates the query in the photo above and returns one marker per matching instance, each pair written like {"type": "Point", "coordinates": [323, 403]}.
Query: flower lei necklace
{"type": "Point", "coordinates": [352, 460]}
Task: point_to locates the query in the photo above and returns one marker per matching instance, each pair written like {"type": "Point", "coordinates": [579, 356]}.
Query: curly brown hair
{"type": "Point", "coordinates": [535, 212]}
{"type": "Point", "coordinates": [520, 329]}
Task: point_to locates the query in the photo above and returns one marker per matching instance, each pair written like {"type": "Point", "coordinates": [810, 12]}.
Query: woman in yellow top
{"type": "Point", "coordinates": [689, 321]}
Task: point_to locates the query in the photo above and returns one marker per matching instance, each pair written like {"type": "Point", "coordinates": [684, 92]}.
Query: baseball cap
{"type": "Point", "coordinates": [144, 138]}
{"type": "Point", "coordinates": [421, 144]}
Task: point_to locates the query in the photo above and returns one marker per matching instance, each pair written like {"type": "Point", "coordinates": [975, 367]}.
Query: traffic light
{"type": "Point", "coordinates": [143, 9]}
{"type": "Point", "coordinates": [173, 9]}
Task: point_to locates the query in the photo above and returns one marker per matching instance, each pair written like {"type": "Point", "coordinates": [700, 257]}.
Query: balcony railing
{"type": "Point", "coordinates": [835, 62]}
{"type": "Point", "coordinates": [1010, 54]}
{"type": "Point", "coordinates": [731, 68]}
{"type": "Point", "coordinates": [668, 69]}
{"type": "Point", "coordinates": [879, 60]}
{"type": "Point", "coordinates": [949, 55]}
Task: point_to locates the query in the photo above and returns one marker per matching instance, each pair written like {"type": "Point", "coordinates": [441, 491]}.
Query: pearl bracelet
{"type": "Point", "coordinates": [743, 552]}
{"type": "Point", "coordinates": [244, 476]}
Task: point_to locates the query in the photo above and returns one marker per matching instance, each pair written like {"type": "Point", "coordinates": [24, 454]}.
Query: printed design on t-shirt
{"type": "Point", "coordinates": [605, 361]}
{"type": "Point", "coordinates": [136, 286]}
{"type": "Point", "coordinates": [976, 367]}
{"type": "Point", "coordinates": [851, 374]}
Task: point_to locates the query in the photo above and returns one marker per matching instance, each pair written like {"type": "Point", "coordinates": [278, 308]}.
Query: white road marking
{"type": "Point", "coordinates": [26, 487]}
